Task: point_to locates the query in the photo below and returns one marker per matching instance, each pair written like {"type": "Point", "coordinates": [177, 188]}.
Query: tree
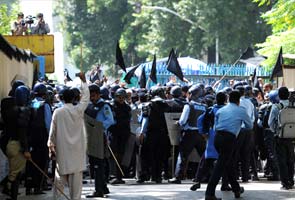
{"type": "Point", "coordinates": [192, 31]}
{"type": "Point", "coordinates": [282, 20]}
{"type": "Point", "coordinates": [8, 13]}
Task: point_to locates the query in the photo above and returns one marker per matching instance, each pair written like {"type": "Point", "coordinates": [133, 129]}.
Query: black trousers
{"type": "Point", "coordinates": [190, 140]}
{"type": "Point", "coordinates": [224, 143]}
{"type": "Point", "coordinates": [272, 160]}
{"type": "Point", "coordinates": [34, 177]}
{"type": "Point", "coordinates": [286, 159]}
{"type": "Point", "coordinates": [98, 167]}
{"type": "Point", "coordinates": [118, 144]}
{"type": "Point", "coordinates": [243, 151]}
{"type": "Point", "coordinates": [157, 149]}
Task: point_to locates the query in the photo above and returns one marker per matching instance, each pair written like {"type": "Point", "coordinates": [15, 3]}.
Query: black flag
{"type": "Point", "coordinates": [170, 53]}
{"type": "Point", "coordinates": [119, 58]}
{"type": "Point", "coordinates": [129, 75]}
{"type": "Point", "coordinates": [142, 81]}
{"type": "Point", "coordinates": [250, 56]}
{"type": "Point", "coordinates": [173, 65]}
{"type": "Point", "coordinates": [278, 69]}
{"type": "Point", "coordinates": [153, 74]}
{"type": "Point", "coordinates": [256, 83]}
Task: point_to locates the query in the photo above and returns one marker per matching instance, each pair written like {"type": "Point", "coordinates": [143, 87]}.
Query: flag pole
{"type": "Point", "coordinates": [217, 82]}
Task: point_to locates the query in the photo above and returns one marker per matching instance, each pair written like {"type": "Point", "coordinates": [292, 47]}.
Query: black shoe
{"type": "Point", "coordinates": [139, 181]}
{"type": "Point", "coordinates": [195, 186]}
{"type": "Point", "coordinates": [254, 178]}
{"type": "Point", "coordinates": [212, 198]}
{"type": "Point", "coordinates": [158, 181]}
{"type": "Point", "coordinates": [95, 194]}
{"type": "Point", "coordinates": [273, 178]}
{"type": "Point", "coordinates": [225, 188]}
{"type": "Point", "coordinates": [106, 190]}
{"type": "Point", "coordinates": [174, 181]}
{"type": "Point", "coordinates": [28, 191]}
{"type": "Point", "coordinates": [238, 194]}
{"type": "Point", "coordinates": [285, 187]}
{"type": "Point", "coordinates": [117, 181]}
{"type": "Point", "coordinates": [38, 191]}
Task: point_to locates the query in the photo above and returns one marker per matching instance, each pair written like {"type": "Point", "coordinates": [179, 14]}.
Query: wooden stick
{"type": "Point", "coordinates": [116, 160]}
{"type": "Point", "coordinates": [217, 82]}
{"type": "Point", "coordinates": [42, 172]}
{"type": "Point", "coordinates": [81, 55]}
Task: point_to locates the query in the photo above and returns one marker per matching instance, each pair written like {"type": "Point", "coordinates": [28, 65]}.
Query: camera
{"type": "Point", "coordinates": [77, 74]}
{"type": "Point", "coordinates": [23, 22]}
{"type": "Point", "coordinates": [29, 19]}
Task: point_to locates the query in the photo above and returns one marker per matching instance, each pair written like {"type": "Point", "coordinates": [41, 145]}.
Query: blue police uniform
{"type": "Point", "coordinates": [102, 112]}
{"type": "Point", "coordinates": [228, 122]}
{"type": "Point", "coordinates": [190, 137]}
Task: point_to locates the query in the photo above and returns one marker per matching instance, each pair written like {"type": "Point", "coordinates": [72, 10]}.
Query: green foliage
{"type": "Point", "coordinates": [100, 23]}
{"type": "Point", "coordinates": [282, 19]}
{"type": "Point", "coordinates": [8, 13]}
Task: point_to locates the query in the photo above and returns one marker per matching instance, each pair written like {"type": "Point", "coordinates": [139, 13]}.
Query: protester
{"type": "Point", "coordinates": [67, 141]}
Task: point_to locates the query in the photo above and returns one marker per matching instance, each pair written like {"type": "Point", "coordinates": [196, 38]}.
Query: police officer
{"type": "Point", "coordinates": [245, 141]}
{"type": "Point", "coordinates": [177, 102]}
{"type": "Point", "coordinates": [17, 148]}
{"type": "Point", "coordinates": [120, 131]}
{"type": "Point", "coordinates": [269, 139]}
{"type": "Point", "coordinates": [190, 136]}
{"type": "Point", "coordinates": [284, 146]}
{"type": "Point", "coordinates": [102, 112]}
{"type": "Point", "coordinates": [228, 121]}
{"type": "Point", "coordinates": [154, 132]}
{"type": "Point", "coordinates": [39, 131]}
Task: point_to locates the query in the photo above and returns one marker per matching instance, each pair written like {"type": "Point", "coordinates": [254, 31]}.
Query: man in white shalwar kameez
{"type": "Point", "coordinates": [67, 141]}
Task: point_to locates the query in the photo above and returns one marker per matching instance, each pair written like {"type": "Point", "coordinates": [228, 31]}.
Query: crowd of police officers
{"type": "Point", "coordinates": [26, 116]}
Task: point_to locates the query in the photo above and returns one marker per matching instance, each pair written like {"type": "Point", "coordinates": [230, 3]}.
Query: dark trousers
{"type": "Point", "coordinates": [244, 148]}
{"type": "Point", "coordinates": [98, 168]}
{"type": "Point", "coordinates": [118, 143]}
{"type": "Point", "coordinates": [205, 168]}
{"type": "Point", "coordinates": [224, 143]}
{"type": "Point", "coordinates": [286, 158]}
{"type": "Point", "coordinates": [272, 160]}
{"type": "Point", "coordinates": [190, 140]}
{"type": "Point", "coordinates": [158, 151]}
{"type": "Point", "coordinates": [34, 177]}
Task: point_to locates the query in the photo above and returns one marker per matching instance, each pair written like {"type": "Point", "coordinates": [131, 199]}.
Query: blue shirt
{"type": "Point", "coordinates": [105, 115]}
{"type": "Point", "coordinates": [230, 118]}
{"type": "Point", "coordinates": [249, 107]}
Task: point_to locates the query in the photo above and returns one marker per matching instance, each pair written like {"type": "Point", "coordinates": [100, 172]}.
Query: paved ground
{"type": "Point", "coordinates": [263, 190]}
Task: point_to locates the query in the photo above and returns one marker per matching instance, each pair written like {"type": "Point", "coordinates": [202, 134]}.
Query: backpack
{"type": "Point", "coordinates": [286, 122]}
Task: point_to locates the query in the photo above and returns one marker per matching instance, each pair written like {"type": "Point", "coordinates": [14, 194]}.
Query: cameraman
{"type": "Point", "coordinates": [41, 27]}
{"type": "Point", "coordinates": [19, 27]}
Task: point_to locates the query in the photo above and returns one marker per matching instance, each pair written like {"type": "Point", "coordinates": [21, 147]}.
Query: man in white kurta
{"type": "Point", "coordinates": [67, 142]}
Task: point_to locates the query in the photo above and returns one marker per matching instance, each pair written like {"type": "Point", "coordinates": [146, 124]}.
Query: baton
{"type": "Point", "coordinates": [116, 160]}
{"type": "Point", "coordinates": [42, 172]}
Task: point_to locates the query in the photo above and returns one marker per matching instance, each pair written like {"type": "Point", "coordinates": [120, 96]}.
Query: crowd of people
{"type": "Point", "coordinates": [232, 130]}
